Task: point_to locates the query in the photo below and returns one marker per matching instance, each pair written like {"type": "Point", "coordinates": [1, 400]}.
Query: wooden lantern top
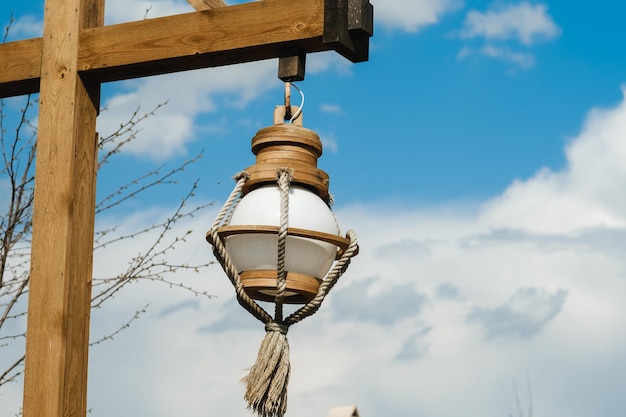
{"type": "Point", "coordinates": [287, 145]}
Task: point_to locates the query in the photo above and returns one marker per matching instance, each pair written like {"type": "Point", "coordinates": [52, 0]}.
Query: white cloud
{"type": "Point", "coordinates": [525, 315]}
{"type": "Point", "coordinates": [588, 194]}
{"type": "Point", "coordinates": [522, 23]}
{"type": "Point", "coordinates": [188, 95]}
{"type": "Point", "coordinates": [331, 108]}
{"type": "Point", "coordinates": [525, 22]}
{"type": "Point", "coordinates": [329, 142]}
{"type": "Point", "coordinates": [328, 61]}
{"type": "Point", "coordinates": [192, 93]}
{"type": "Point", "coordinates": [522, 60]}
{"type": "Point", "coordinates": [412, 15]}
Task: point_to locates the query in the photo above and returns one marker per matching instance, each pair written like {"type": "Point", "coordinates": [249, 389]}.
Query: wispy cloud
{"type": "Point", "coordinates": [193, 93]}
{"type": "Point", "coordinates": [525, 315]}
{"type": "Point", "coordinates": [412, 15]}
{"type": "Point", "coordinates": [406, 248]}
{"type": "Point", "coordinates": [522, 60]}
{"type": "Point", "coordinates": [414, 346]}
{"type": "Point", "coordinates": [23, 27]}
{"type": "Point", "coordinates": [508, 31]}
{"type": "Point", "coordinates": [188, 95]}
{"type": "Point", "coordinates": [393, 304]}
{"type": "Point", "coordinates": [178, 307]}
{"type": "Point", "coordinates": [331, 108]}
{"type": "Point", "coordinates": [524, 22]}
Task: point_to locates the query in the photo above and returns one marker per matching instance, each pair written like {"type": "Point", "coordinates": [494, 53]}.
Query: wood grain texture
{"type": "Point", "coordinates": [55, 381]}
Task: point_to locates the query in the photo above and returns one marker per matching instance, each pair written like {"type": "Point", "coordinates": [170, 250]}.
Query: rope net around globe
{"type": "Point", "coordinates": [267, 380]}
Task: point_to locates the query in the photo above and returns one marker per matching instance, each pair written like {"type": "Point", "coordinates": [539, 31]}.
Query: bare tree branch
{"type": "Point", "coordinates": [7, 28]}
{"type": "Point", "coordinates": [529, 399]}
{"type": "Point", "coordinates": [12, 371]}
{"type": "Point", "coordinates": [150, 264]}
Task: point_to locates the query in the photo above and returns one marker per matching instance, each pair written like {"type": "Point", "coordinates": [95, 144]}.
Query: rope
{"type": "Point", "coordinates": [241, 178]}
{"type": "Point", "coordinates": [276, 327]}
{"type": "Point", "coordinates": [219, 250]}
{"type": "Point", "coordinates": [285, 177]}
{"type": "Point", "coordinates": [328, 283]}
{"type": "Point", "coordinates": [267, 381]}
{"type": "Point", "coordinates": [266, 391]}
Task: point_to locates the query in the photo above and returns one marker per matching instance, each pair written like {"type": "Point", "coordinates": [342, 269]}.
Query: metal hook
{"type": "Point", "coordinates": [299, 112]}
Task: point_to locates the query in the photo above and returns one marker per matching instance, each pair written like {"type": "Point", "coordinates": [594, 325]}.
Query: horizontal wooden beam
{"type": "Point", "coordinates": [20, 67]}
{"type": "Point", "coordinates": [222, 36]}
{"type": "Point", "coordinates": [202, 39]}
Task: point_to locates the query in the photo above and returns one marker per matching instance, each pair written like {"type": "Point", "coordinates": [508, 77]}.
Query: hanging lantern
{"type": "Point", "coordinates": [251, 235]}
{"type": "Point", "coordinates": [278, 241]}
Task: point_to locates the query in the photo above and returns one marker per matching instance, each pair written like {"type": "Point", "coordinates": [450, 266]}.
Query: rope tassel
{"type": "Point", "coordinates": [266, 383]}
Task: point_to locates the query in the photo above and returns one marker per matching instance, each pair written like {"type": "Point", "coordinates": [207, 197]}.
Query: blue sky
{"type": "Point", "coordinates": [480, 157]}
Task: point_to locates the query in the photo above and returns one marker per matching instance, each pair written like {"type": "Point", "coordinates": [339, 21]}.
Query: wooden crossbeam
{"type": "Point", "coordinates": [214, 37]}
{"type": "Point", "coordinates": [222, 36]}
{"type": "Point", "coordinates": [20, 67]}
{"type": "Point", "coordinates": [228, 35]}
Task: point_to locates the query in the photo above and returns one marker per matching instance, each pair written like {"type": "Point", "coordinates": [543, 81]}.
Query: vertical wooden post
{"type": "Point", "coordinates": [55, 381]}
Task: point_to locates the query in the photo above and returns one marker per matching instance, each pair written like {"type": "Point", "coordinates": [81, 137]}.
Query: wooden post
{"type": "Point", "coordinates": [55, 381]}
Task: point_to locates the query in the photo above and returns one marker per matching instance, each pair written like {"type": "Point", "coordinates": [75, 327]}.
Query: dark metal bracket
{"type": "Point", "coordinates": [348, 25]}
{"type": "Point", "coordinates": [291, 64]}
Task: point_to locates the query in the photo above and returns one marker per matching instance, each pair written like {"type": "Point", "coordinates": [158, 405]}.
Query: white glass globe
{"type": "Point", "coordinates": [261, 207]}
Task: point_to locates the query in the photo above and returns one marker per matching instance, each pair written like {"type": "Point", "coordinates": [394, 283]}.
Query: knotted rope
{"type": "Point", "coordinates": [266, 383]}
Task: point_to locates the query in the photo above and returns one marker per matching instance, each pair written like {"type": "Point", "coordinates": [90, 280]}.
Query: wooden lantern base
{"type": "Point", "coordinates": [261, 285]}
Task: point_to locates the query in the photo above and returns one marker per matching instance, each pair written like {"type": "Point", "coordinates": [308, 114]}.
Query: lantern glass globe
{"type": "Point", "coordinates": [261, 207]}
